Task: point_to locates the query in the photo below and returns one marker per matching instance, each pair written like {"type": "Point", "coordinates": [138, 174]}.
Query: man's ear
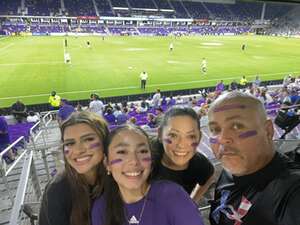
{"type": "Point", "coordinates": [269, 128]}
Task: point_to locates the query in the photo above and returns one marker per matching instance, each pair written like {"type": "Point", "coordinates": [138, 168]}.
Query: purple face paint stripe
{"type": "Point", "coordinates": [66, 150]}
{"type": "Point", "coordinates": [95, 145]}
{"type": "Point", "coordinates": [115, 161]}
{"type": "Point", "coordinates": [168, 141]}
{"type": "Point", "coordinates": [247, 134]}
{"type": "Point", "coordinates": [229, 107]}
{"type": "Point", "coordinates": [213, 140]}
{"type": "Point", "coordinates": [195, 144]}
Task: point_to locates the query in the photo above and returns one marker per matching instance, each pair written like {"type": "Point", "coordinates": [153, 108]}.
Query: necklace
{"type": "Point", "coordinates": [133, 219]}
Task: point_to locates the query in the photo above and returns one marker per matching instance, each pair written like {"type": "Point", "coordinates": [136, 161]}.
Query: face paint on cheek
{"type": "Point", "coordinates": [95, 145]}
{"type": "Point", "coordinates": [213, 140]}
{"type": "Point", "coordinates": [115, 161]}
{"type": "Point", "coordinates": [248, 134]}
{"type": "Point", "coordinates": [167, 141]}
{"type": "Point", "coordinates": [229, 107]}
{"type": "Point", "coordinates": [195, 144]}
{"type": "Point", "coordinates": [66, 150]}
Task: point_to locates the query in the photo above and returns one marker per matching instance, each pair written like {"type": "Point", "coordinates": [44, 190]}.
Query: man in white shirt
{"type": "Point", "coordinates": [96, 105]}
{"type": "Point", "coordinates": [156, 99]}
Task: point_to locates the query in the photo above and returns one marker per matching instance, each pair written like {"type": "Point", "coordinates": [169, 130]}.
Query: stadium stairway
{"type": "Point", "coordinates": [36, 145]}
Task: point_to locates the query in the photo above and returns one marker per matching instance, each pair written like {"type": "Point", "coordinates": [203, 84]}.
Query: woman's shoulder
{"type": "Point", "coordinates": [165, 188]}
{"type": "Point", "coordinates": [59, 185]}
{"type": "Point", "coordinates": [199, 160]}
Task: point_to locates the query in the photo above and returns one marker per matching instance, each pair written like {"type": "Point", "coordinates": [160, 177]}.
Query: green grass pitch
{"type": "Point", "coordinates": [31, 67]}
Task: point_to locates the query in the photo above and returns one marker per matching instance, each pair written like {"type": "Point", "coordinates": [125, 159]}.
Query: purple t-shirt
{"type": "Point", "coordinates": [65, 111]}
{"type": "Point", "coordinates": [167, 204]}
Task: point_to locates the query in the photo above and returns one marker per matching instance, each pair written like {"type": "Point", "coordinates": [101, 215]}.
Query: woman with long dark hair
{"type": "Point", "coordinates": [176, 156]}
{"type": "Point", "coordinates": [68, 197]}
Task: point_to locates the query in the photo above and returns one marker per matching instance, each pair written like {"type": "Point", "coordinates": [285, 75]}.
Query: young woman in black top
{"type": "Point", "coordinates": [176, 157]}
{"type": "Point", "coordinates": [68, 197]}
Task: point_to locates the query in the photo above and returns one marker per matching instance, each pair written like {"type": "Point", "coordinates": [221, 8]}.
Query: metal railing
{"type": "Point", "coordinates": [28, 171]}
{"type": "Point", "coordinates": [5, 169]}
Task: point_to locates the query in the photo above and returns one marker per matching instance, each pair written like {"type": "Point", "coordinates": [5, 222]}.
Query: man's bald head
{"type": "Point", "coordinates": [238, 100]}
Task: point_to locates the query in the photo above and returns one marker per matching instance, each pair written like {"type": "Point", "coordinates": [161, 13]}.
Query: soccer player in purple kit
{"type": "Point", "coordinates": [258, 185]}
{"type": "Point", "coordinates": [131, 196]}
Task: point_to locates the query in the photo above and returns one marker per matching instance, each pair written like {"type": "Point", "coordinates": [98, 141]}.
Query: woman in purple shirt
{"type": "Point", "coordinates": [130, 196]}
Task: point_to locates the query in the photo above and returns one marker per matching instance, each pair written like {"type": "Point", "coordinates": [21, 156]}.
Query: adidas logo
{"type": "Point", "coordinates": [133, 220]}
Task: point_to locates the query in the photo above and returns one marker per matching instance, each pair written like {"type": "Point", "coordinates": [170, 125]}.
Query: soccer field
{"type": "Point", "coordinates": [31, 67]}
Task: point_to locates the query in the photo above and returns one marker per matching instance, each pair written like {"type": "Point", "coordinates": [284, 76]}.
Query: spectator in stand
{"type": "Point", "coordinates": [164, 101]}
{"type": "Point", "coordinates": [131, 120]}
{"type": "Point", "coordinates": [287, 80]}
{"type": "Point", "coordinates": [256, 82]}
{"type": "Point", "coordinates": [285, 96]}
{"type": "Point", "coordinates": [64, 111]}
{"type": "Point", "coordinates": [54, 101]}
{"type": "Point", "coordinates": [32, 117]}
{"type": "Point", "coordinates": [143, 106]}
{"type": "Point", "coordinates": [179, 100]}
{"type": "Point", "coordinates": [297, 83]}
{"type": "Point", "coordinates": [109, 116]}
{"type": "Point", "coordinates": [159, 114]}
{"type": "Point", "coordinates": [265, 97]}
{"type": "Point", "coordinates": [117, 110]}
{"type": "Point", "coordinates": [156, 99]}
{"type": "Point", "coordinates": [234, 85]}
{"type": "Point", "coordinates": [4, 140]}
{"type": "Point", "coordinates": [171, 101]}
{"type": "Point", "coordinates": [108, 106]}
{"type": "Point", "coordinates": [176, 156]}
{"type": "Point", "coordinates": [295, 98]}
{"type": "Point", "coordinates": [79, 107]}
{"type": "Point", "coordinates": [220, 87]}
{"type": "Point", "coordinates": [243, 82]}
{"type": "Point", "coordinates": [96, 105]}
{"type": "Point", "coordinates": [18, 109]}
{"type": "Point", "coordinates": [151, 123]}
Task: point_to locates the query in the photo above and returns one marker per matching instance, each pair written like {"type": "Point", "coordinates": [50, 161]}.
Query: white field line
{"type": "Point", "coordinates": [3, 37]}
{"type": "Point", "coordinates": [6, 46]}
{"type": "Point", "coordinates": [152, 85]}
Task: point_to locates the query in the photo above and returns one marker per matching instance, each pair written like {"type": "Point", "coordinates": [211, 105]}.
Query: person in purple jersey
{"type": "Point", "coordinates": [258, 185]}
{"type": "Point", "coordinates": [64, 111]}
{"type": "Point", "coordinates": [175, 153]}
{"type": "Point", "coordinates": [130, 194]}
{"type": "Point", "coordinates": [68, 197]}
